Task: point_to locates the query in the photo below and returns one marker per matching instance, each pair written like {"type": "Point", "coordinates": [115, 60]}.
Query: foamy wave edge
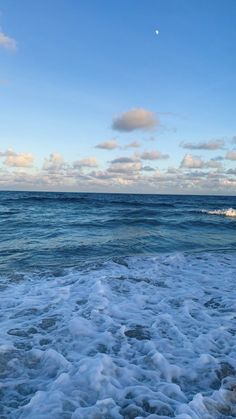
{"type": "Point", "coordinates": [139, 337]}
{"type": "Point", "coordinates": [229, 212]}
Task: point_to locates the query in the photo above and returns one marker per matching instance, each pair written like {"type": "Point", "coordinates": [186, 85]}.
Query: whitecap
{"type": "Point", "coordinates": [229, 212]}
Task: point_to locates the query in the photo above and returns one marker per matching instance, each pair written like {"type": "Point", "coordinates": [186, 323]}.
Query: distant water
{"type": "Point", "coordinates": [117, 306]}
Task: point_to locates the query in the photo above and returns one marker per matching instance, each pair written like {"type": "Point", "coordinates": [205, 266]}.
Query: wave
{"type": "Point", "coordinates": [134, 337]}
{"type": "Point", "coordinates": [229, 212]}
{"type": "Point", "coordinates": [144, 203]}
{"type": "Point", "coordinates": [96, 199]}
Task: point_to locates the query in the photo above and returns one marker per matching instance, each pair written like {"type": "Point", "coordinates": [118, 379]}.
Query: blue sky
{"type": "Point", "coordinates": [92, 99]}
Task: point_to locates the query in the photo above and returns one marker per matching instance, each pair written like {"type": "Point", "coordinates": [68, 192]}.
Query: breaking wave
{"type": "Point", "coordinates": [229, 212]}
{"type": "Point", "coordinates": [135, 337]}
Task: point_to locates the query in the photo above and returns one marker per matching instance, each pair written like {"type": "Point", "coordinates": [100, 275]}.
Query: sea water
{"type": "Point", "coordinates": [117, 306]}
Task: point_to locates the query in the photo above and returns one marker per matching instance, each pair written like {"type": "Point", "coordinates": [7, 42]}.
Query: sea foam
{"type": "Point", "coordinates": [229, 212]}
{"type": "Point", "coordinates": [138, 337]}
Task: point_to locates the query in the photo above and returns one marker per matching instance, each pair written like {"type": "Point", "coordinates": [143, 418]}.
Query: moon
{"type": "Point", "coordinates": [157, 32]}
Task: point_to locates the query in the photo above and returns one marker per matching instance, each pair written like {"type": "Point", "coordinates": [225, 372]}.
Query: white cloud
{"type": "Point", "coordinates": [8, 152]}
{"type": "Point", "coordinates": [123, 160]}
{"type": "Point", "coordinates": [133, 144]}
{"type": "Point", "coordinates": [205, 145]}
{"type": "Point", "coordinates": [122, 177]}
{"type": "Point", "coordinates": [129, 167]}
{"type": "Point", "coordinates": [148, 169]}
{"type": "Point", "coordinates": [108, 145]}
{"type": "Point", "coordinates": [54, 162]}
{"type": "Point", "coordinates": [13, 159]}
{"type": "Point", "coordinates": [231, 155]}
{"type": "Point", "coordinates": [123, 174]}
{"type": "Point", "coordinates": [213, 164]}
{"type": "Point", "coordinates": [191, 162]}
{"type": "Point", "coordinates": [7, 42]}
{"type": "Point", "coordinates": [153, 155]}
{"type": "Point", "coordinates": [135, 119]}
{"type": "Point", "coordinates": [195, 162]}
{"type": "Point", "coordinates": [88, 162]}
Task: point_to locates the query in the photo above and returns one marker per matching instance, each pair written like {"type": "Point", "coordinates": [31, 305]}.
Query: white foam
{"type": "Point", "coordinates": [143, 337]}
{"type": "Point", "coordinates": [229, 212]}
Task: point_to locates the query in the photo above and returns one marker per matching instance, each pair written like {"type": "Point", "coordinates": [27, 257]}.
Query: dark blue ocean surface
{"type": "Point", "coordinates": [45, 230]}
{"type": "Point", "coordinates": [117, 306]}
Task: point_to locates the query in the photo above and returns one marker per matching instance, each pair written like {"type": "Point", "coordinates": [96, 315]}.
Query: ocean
{"type": "Point", "coordinates": [117, 306]}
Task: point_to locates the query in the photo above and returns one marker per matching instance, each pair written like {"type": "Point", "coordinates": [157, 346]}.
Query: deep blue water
{"type": "Point", "coordinates": [57, 230]}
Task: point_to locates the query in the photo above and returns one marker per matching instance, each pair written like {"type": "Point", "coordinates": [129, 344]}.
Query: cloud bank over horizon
{"type": "Point", "coordinates": [123, 173]}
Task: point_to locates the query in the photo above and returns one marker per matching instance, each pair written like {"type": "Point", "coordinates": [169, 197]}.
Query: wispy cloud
{"type": "Point", "coordinates": [133, 144]}
{"type": "Point", "coordinates": [148, 169]}
{"type": "Point", "coordinates": [153, 155]}
{"type": "Point", "coordinates": [204, 145]}
{"type": "Point", "coordinates": [87, 162]}
{"type": "Point", "coordinates": [108, 145]}
{"type": "Point", "coordinates": [135, 119]}
{"type": "Point", "coordinates": [7, 42]}
{"type": "Point", "coordinates": [123, 160]}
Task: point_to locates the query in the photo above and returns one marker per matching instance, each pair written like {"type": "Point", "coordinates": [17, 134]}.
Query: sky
{"type": "Point", "coordinates": [93, 100]}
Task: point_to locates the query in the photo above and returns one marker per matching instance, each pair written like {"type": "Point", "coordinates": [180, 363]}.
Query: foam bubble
{"type": "Point", "coordinates": [150, 337]}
